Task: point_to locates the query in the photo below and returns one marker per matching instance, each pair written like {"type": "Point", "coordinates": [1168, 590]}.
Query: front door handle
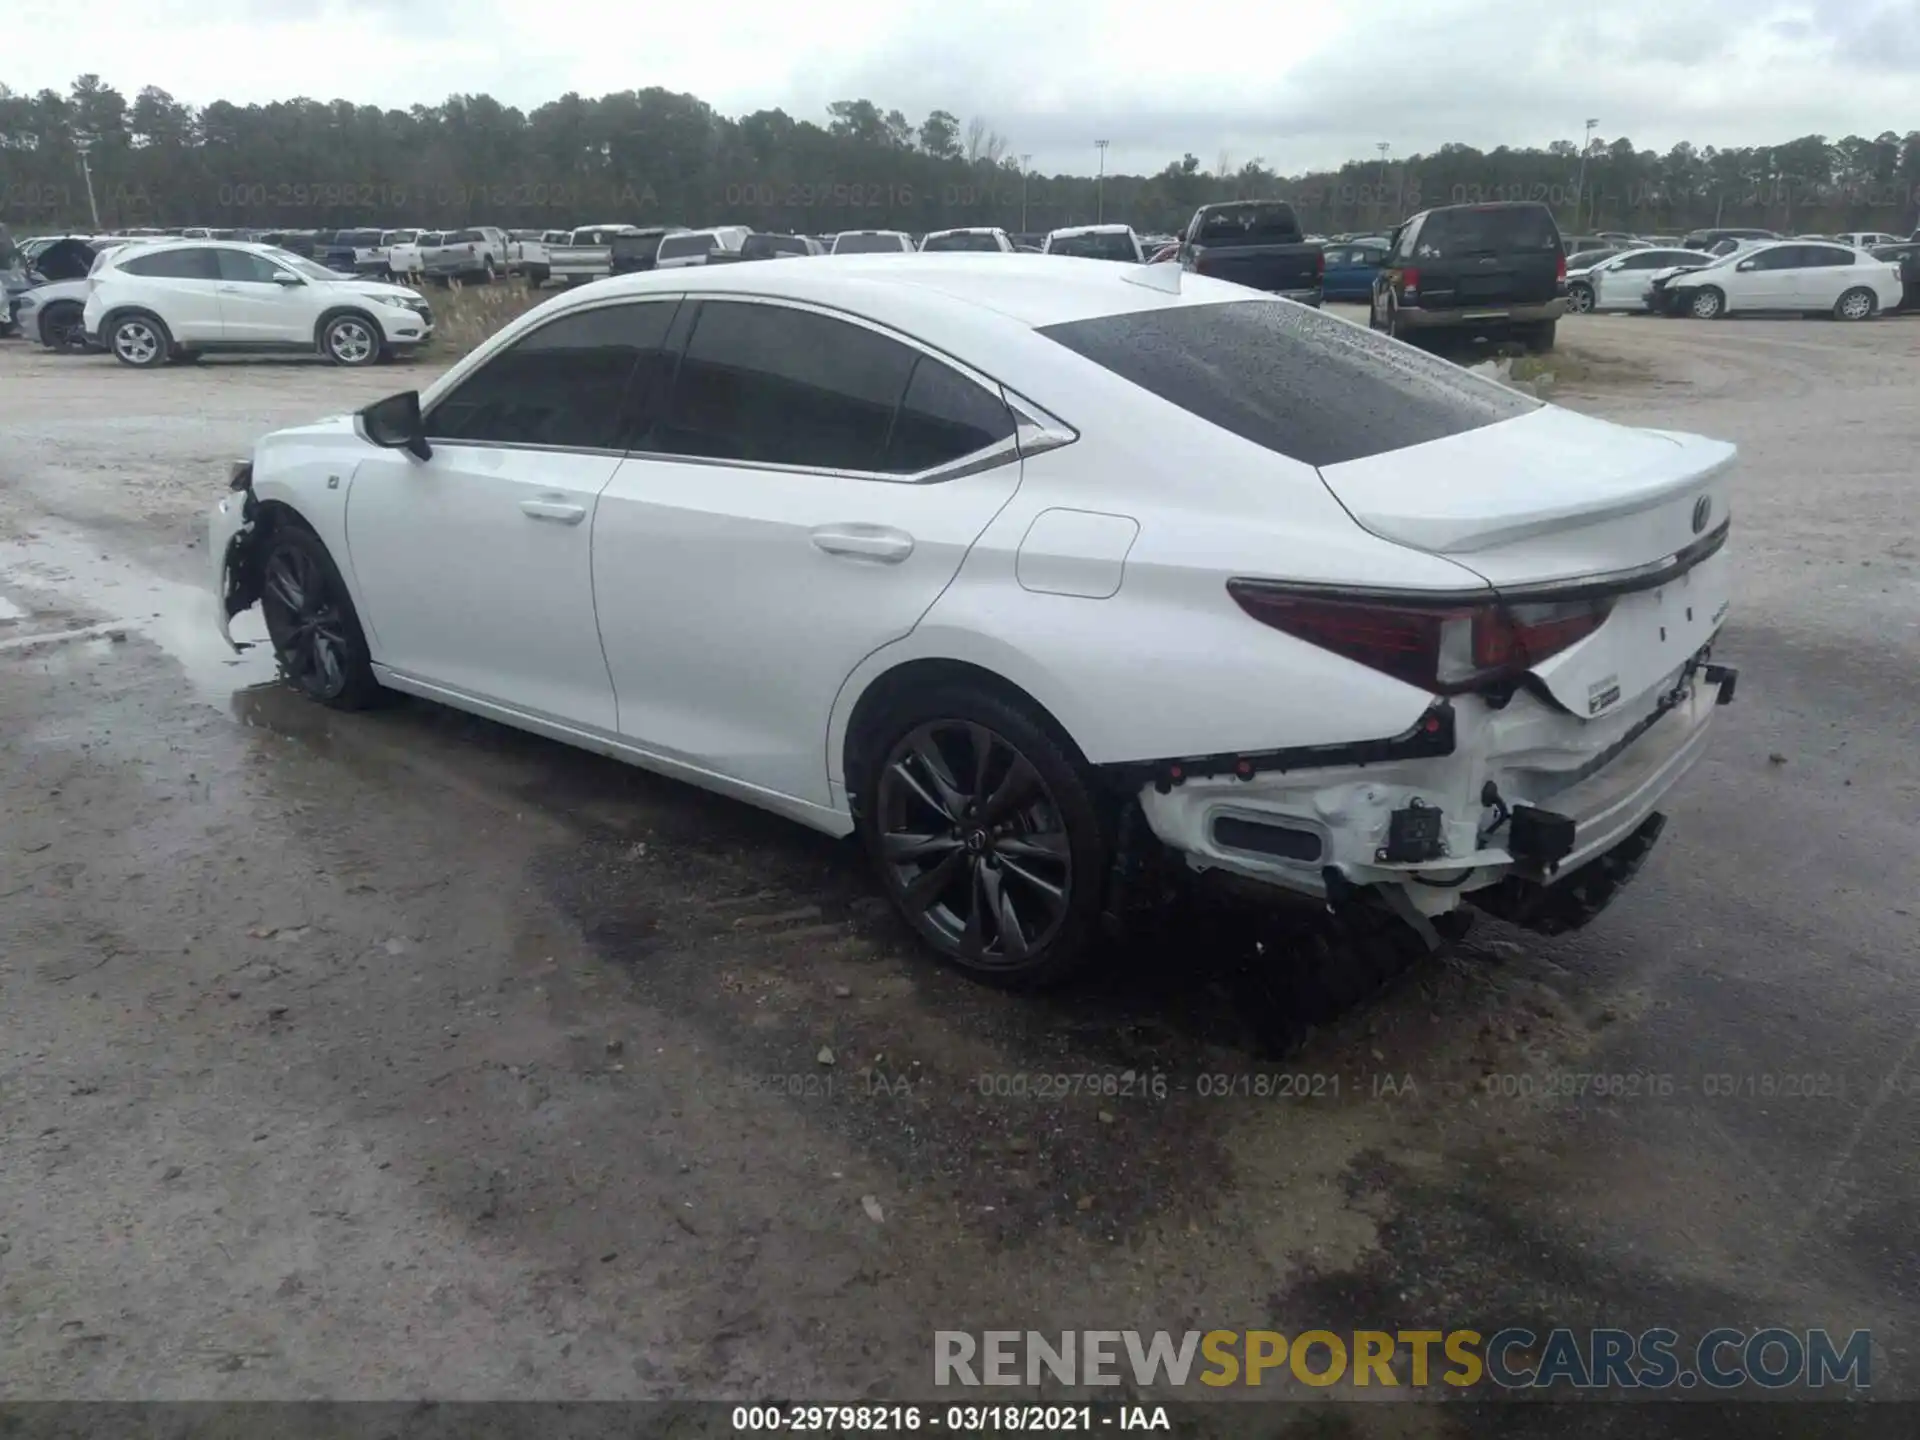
{"type": "Point", "coordinates": [864, 542]}
{"type": "Point", "coordinates": [229, 289]}
{"type": "Point", "coordinates": [553, 510]}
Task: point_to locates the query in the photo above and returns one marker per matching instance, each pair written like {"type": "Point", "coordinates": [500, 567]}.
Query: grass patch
{"type": "Point", "coordinates": [465, 315]}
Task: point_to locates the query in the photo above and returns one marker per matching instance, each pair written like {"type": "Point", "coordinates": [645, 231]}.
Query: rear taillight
{"type": "Point", "coordinates": [1560, 268]}
{"type": "Point", "coordinates": [1441, 646]}
{"type": "Point", "coordinates": [1410, 279]}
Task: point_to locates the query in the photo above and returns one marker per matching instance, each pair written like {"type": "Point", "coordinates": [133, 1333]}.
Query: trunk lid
{"type": "Point", "coordinates": [1553, 504]}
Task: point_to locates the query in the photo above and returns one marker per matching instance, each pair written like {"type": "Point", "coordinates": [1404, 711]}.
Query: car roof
{"type": "Point", "coordinates": [968, 230]}
{"type": "Point", "coordinates": [1030, 290]}
{"type": "Point", "coordinates": [1091, 230]}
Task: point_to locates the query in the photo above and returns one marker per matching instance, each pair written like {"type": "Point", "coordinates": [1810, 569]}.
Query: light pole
{"type": "Point", "coordinates": [1100, 185]}
{"type": "Point", "coordinates": [1580, 185]}
{"type": "Point", "coordinates": [86, 174]}
{"type": "Point", "coordinates": [1382, 146]}
{"type": "Point", "coordinates": [1024, 162]}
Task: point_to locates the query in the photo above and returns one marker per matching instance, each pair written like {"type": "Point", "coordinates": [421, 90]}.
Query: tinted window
{"type": "Point", "coordinates": [1249, 225]}
{"type": "Point", "coordinates": [1109, 246]}
{"type": "Point", "coordinates": [675, 246]}
{"type": "Point", "coordinates": [1647, 260]}
{"type": "Point", "coordinates": [761, 247]}
{"type": "Point", "coordinates": [866, 244]}
{"type": "Point", "coordinates": [469, 237]}
{"type": "Point", "coordinates": [580, 382]}
{"type": "Point", "coordinates": [943, 416]}
{"type": "Point", "coordinates": [1780, 257]}
{"type": "Point", "coordinates": [245, 267]}
{"type": "Point", "coordinates": [1825, 255]}
{"type": "Point", "coordinates": [1476, 229]}
{"type": "Point", "coordinates": [961, 242]}
{"type": "Point", "coordinates": [1295, 380]}
{"type": "Point", "coordinates": [784, 387]}
{"type": "Point", "coordinates": [194, 263]}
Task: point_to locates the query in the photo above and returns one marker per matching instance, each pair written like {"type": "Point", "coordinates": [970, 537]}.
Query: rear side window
{"type": "Point", "coordinates": [1479, 230]}
{"type": "Point", "coordinates": [580, 383]}
{"type": "Point", "coordinates": [777, 386]}
{"type": "Point", "coordinates": [1299, 382]}
{"type": "Point", "coordinates": [943, 417]}
{"type": "Point", "coordinates": [194, 263]}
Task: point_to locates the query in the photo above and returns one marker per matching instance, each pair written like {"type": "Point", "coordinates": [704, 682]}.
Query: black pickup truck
{"type": "Point", "coordinates": [1257, 243]}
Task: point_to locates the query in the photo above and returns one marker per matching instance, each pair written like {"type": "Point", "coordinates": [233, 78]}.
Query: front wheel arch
{"type": "Point", "coordinates": [340, 312]}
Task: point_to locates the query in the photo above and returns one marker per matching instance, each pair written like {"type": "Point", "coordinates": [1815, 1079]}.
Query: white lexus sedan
{"type": "Point", "coordinates": [1016, 565]}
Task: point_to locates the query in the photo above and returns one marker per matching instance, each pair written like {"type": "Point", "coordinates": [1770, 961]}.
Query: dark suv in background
{"type": "Point", "coordinates": [1498, 271]}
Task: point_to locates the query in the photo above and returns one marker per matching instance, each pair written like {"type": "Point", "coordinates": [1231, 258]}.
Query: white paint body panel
{"type": "Point", "coordinates": [692, 622]}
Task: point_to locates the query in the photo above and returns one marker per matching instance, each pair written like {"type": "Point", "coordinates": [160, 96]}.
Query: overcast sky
{"type": "Point", "coordinates": [1301, 84]}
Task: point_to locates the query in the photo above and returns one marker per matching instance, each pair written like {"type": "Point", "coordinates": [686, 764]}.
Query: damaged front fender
{"type": "Point", "coordinates": [233, 546]}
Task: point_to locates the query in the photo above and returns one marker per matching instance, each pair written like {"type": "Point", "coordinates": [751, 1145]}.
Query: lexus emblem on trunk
{"type": "Point", "coordinates": [1702, 508]}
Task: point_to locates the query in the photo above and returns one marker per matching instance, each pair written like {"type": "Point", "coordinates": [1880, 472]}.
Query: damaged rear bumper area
{"type": "Point", "coordinates": [1519, 807]}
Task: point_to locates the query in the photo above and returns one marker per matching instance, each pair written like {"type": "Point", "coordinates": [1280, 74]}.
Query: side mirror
{"type": "Point", "coordinates": [1745, 265]}
{"type": "Point", "coordinates": [287, 278]}
{"type": "Point", "coordinates": [394, 424]}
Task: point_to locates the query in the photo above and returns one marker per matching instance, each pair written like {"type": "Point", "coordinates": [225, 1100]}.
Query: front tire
{"type": "Point", "coordinates": [316, 634]}
{"type": "Point", "coordinates": [1580, 299]}
{"type": "Point", "coordinates": [987, 834]}
{"type": "Point", "coordinates": [1707, 304]}
{"type": "Point", "coordinates": [140, 340]}
{"type": "Point", "coordinates": [63, 328]}
{"type": "Point", "coordinates": [1856, 304]}
{"type": "Point", "coordinates": [351, 340]}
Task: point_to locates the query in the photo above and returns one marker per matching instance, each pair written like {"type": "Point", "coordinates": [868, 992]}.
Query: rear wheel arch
{"type": "Point", "coordinates": [883, 693]}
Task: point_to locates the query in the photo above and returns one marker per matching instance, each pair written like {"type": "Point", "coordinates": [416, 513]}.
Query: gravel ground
{"type": "Point", "coordinates": [402, 1055]}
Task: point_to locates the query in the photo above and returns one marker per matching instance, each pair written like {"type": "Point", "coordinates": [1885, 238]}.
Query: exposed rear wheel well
{"type": "Point", "coordinates": [879, 699]}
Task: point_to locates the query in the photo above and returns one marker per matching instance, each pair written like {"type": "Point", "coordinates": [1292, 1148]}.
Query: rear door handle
{"type": "Point", "coordinates": [229, 289]}
{"type": "Point", "coordinates": [554, 510]}
{"type": "Point", "coordinates": [864, 542]}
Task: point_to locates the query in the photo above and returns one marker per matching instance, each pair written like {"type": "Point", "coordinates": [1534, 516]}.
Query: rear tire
{"type": "Point", "coordinates": [316, 633]}
{"type": "Point", "coordinates": [1857, 304]}
{"type": "Point", "coordinates": [139, 340]}
{"type": "Point", "coordinates": [987, 832]}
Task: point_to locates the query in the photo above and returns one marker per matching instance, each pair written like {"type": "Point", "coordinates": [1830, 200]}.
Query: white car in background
{"type": "Point", "coordinates": [1788, 276]}
{"type": "Point", "coordinates": [977, 237]}
{"type": "Point", "coordinates": [1867, 239]}
{"type": "Point", "coordinates": [692, 247]}
{"type": "Point", "coordinates": [871, 242]}
{"type": "Point", "coordinates": [995, 560]}
{"type": "Point", "coordinates": [1097, 242]}
{"type": "Point", "coordinates": [161, 300]}
{"type": "Point", "coordinates": [406, 259]}
{"type": "Point", "coordinates": [1620, 281]}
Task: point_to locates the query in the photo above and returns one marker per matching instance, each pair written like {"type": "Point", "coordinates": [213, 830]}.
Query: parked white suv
{"type": "Point", "coordinates": [169, 299]}
{"type": "Point", "coordinates": [1097, 242]}
{"type": "Point", "coordinates": [692, 247]}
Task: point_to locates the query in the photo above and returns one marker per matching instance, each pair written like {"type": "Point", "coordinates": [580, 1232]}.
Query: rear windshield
{"type": "Point", "coordinates": [675, 246]}
{"type": "Point", "coordinates": [1493, 230]}
{"type": "Point", "coordinates": [1249, 225]}
{"type": "Point", "coordinates": [1304, 384]}
{"type": "Point", "coordinates": [758, 247]}
{"type": "Point", "coordinates": [962, 241]}
{"type": "Point", "coordinates": [866, 244]}
{"type": "Point", "coordinates": [1109, 246]}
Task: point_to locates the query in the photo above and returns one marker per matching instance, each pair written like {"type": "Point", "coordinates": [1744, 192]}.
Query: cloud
{"type": "Point", "coordinates": [1302, 85]}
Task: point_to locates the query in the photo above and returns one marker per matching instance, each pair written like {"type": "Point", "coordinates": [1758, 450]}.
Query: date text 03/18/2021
{"type": "Point", "coordinates": [952, 1419]}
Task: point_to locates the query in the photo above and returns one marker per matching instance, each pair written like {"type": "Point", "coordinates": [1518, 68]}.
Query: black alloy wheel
{"type": "Point", "coordinates": [974, 845]}
{"type": "Point", "coordinates": [310, 619]}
